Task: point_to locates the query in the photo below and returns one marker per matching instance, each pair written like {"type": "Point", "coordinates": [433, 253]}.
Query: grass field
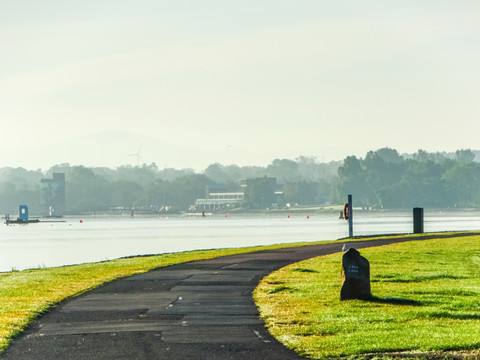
{"type": "Point", "coordinates": [427, 298]}
{"type": "Point", "coordinates": [426, 301]}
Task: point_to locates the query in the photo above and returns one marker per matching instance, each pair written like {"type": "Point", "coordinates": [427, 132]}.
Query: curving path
{"type": "Point", "coordinates": [195, 310]}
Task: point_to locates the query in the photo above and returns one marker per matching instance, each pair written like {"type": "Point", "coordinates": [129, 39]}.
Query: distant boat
{"type": "Point", "coordinates": [21, 221]}
{"type": "Point", "coordinates": [202, 214]}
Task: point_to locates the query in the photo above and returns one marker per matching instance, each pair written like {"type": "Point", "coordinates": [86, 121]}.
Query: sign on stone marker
{"type": "Point", "coordinates": [356, 276]}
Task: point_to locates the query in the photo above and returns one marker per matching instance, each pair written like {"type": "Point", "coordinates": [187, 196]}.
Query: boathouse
{"type": "Point", "coordinates": [217, 197]}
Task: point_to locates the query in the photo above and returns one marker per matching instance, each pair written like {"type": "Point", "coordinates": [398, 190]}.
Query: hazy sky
{"type": "Point", "coordinates": [307, 77]}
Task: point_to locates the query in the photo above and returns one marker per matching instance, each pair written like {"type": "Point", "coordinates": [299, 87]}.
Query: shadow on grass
{"type": "Point", "coordinates": [454, 316]}
{"type": "Point", "coordinates": [393, 301]}
{"type": "Point", "coordinates": [396, 278]}
{"type": "Point", "coordinates": [305, 270]}
{"type": "Point", "coordinates": [281, 288]}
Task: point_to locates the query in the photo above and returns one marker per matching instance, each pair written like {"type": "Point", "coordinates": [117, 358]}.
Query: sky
{"type": "Point", "coordinates": [257, 78]}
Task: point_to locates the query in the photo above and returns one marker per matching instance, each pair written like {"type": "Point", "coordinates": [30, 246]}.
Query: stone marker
{"type": "Point", "coordinates": [356, 276]}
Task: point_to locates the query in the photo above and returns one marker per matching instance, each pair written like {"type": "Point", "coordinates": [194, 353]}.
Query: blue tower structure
{"type": "Point", "coordinates": [23, 213]}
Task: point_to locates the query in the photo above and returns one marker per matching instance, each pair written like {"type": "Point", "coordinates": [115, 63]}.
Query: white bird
{"type": "Point", "coordinates": [344, 248]}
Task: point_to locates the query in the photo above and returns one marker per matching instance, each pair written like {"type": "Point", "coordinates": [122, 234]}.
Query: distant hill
{"type": "Point", "coordinates": [110, 149]}
{"type": "Point", "coordinates": [117, 148]}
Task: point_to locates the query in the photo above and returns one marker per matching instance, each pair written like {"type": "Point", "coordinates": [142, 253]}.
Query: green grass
{"type": "Point", "coordinates": [26, 294]}
{"type": "Point", "coordinates": [426, 300]}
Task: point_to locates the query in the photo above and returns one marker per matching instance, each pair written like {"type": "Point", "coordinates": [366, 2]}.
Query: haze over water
{"type": "Point", "coordinates": [98, 239]}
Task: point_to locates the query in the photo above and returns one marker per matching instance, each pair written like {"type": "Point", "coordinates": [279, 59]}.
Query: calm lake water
{"type": "Point", "coordinates": [91, 239]}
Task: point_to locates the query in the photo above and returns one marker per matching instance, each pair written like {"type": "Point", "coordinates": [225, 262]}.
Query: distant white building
{"type": "Point", "coordinates": [217, 198]}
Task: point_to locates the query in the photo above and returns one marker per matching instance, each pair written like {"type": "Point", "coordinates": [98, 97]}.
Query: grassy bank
{"type": "Point", "coordinates": [26, 294]}
{"type": "Point", "coordinates": [426, 300]}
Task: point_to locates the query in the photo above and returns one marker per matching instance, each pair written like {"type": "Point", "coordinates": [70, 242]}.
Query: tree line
{"type": "Point", "coordinates": [383, 179]}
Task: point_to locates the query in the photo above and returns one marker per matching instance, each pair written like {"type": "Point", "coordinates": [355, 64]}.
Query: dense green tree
{"type": "Point", "coordinates": [382, 179]}
{"type": "Point", "coordinates": [284, 170]}
{"type": "Point", "coordinates": [260, 192]}
{"type": "Point", "coordinates": [463, 180]}
{"type": "Point", "coordinates": [252, 172]}
{"type": "Point", "coordinates": [187, 189]}
{"type": "Point", "coordinates": [383, 169]}
{"type": "Point", "coordinates": [302, 192]}
{"type": "Point", "coordinates": [464, 156]}
{"type": "Point", "coordinates": [308, 168]}
{"type": "Point", "coordinates": [158, 193]}
{"type": "Point", "coordinates": [126, 193]}
{"type": "Point", "coordinates": [19, 186]}
{"type": "Point", "coordinates": [352, 180]}
{"type": "Point", "coordinates": [171, 174]}
{"type": "Point", "coordinates": [142, 175]}
{"type": "Point", "coordinates": [85, 191]}
{"type": "Point", "coordinates": [217, 173]}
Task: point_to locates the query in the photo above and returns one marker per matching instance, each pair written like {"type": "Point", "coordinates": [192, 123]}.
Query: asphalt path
{"type": "Point", "coordinates": [195, 310]}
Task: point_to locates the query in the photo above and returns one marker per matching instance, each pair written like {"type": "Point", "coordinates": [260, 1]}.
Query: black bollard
{"type": "Point", "coordinates": [356, 276]}
{"type": "Point", "coordinates": [418, 220]}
